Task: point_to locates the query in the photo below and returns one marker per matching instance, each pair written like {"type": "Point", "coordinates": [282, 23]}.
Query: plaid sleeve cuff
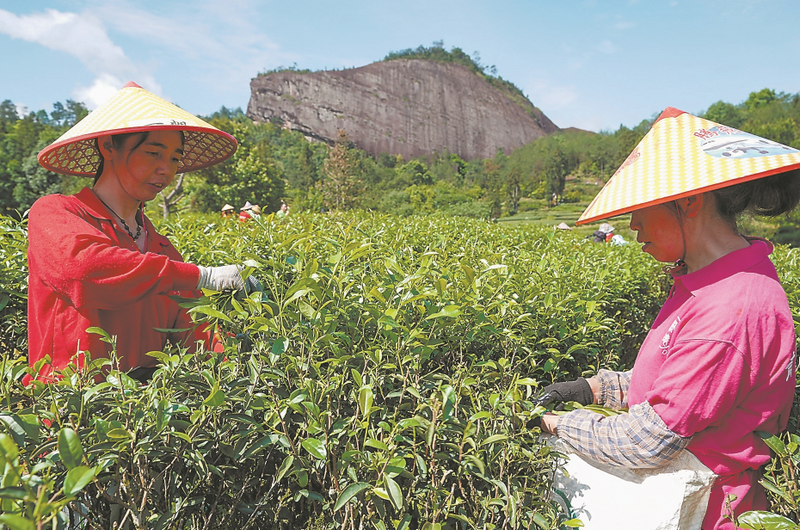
{"type": "Point", "coordinates": [613, 389]}
{"type": "Point", "coordinates": [638, 439]}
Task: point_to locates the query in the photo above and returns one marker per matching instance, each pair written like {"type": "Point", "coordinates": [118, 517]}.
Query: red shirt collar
{"type": "Point", "coordinates": [95, 207]}
{"type": "Point", "coordinates": [728, 265]}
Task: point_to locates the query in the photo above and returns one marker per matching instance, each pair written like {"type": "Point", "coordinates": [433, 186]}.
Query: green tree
{"type": "Point", "coordinates": [760, 99]}
{"type": "Point", "coordinates": [494, 186]}
{"type": "Point", "coordinates": [555, 175]}
{"type": "Point", "coordinates": [725, 114]}
{"type": "Point", "coordinates": [69, 114]}
{"type": "Point", "coordinates": [417, 173]}
{"type": "Point", "coordinates": [8, 115]}
{"type": "Point", "coordinates": [340, 187]}
{"type": "Point", "coordinates": [249, 175]}
{"type": "Point", "coordinates": [513, 191]}
{"type": "Point", "coordinates": [34, 181]}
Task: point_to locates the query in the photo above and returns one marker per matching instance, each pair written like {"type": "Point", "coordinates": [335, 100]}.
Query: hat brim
{"type": "Point", "coordinates": [135, 110]}
{"type": "Point", "coordinates": [684, 155]}
{"type": "Point", "coordinates": [79, 156]}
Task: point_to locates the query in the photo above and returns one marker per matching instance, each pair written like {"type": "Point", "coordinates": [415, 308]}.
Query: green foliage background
{"type": "Point", "coordinates": [275, 165]}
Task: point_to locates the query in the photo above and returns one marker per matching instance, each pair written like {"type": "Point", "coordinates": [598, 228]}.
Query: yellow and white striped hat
{"type": "Point", "coordinates": [683, 155]}
{"type": "Point", "coordinates": [134, 109]}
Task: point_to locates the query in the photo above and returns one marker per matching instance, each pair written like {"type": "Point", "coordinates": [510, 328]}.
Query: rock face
{"type": "Point", "coordinates": [410, 107]}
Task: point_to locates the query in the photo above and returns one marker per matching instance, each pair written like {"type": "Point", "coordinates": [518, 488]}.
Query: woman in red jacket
{"type": "Point", "coordinates": [95, 259]}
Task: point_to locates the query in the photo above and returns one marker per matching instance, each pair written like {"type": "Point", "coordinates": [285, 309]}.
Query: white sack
{"type": "Point", "coordinates": [673, 497]}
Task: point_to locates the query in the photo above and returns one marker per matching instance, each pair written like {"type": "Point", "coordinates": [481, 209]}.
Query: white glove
{"type": "Point", "coordinates": [221, 278]}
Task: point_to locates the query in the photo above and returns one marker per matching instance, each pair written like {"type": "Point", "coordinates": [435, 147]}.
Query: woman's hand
{"type": "Point", "coordinates": [550, 423]}
{"type": "Point", "coordinates": [579, 391]}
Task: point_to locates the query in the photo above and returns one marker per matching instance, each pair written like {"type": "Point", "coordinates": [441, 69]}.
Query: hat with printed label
{"type": "Point", "coordinates": [683, 155]}
{"type": "Point", "coordinates": [134, 109]}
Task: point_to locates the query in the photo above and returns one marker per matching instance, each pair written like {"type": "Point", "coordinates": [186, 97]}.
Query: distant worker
{"type": "Point", "coordinates": [227, 211]}
{"type": "Point", "coordinates": [244, 212]}
{"type": "Point", "coordinates": [283, 212]}
{"type": "Point", "coordinates": [618, 240]}
{"type": "Point", "coordinates": [255, 211]}
{"type": "Point", "coordinates": [603, 233]}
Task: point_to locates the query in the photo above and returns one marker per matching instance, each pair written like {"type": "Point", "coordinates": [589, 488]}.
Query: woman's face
{"type": "Point", "coordinates": [146, 169]}
{"type": "Point", "coordinates": [660, 230]}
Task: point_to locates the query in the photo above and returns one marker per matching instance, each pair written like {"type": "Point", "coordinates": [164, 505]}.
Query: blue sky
{"type": "Point", "coordinates": [593, 64]}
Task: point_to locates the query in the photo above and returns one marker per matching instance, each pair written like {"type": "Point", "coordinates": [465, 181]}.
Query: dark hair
{"type": "Point", "coordinates": [118, 140]}
{"type": "Point", "coordinates": [769, 196]}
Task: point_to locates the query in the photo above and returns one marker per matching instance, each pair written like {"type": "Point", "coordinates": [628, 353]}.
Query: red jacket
{"type": "Point", "coordinates": [84, 272]}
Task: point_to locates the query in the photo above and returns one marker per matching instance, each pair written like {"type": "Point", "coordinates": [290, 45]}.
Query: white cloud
{"type": "Point", "coordinates": [550, 98]}
{"type": "Point", "coordinates": [624, 25]}
{"type": "Point", "coordinates": [84, 37]}
{"type": "Point", "coordinates": [607, 47]}
{"type": "Point", "coordinates": [101, 90]}
{"type": "Point", "coordinates": [222, 35]}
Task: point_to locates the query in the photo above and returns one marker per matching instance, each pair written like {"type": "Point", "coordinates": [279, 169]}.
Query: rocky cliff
{"type": "Point", "coordinates": [410, 107]}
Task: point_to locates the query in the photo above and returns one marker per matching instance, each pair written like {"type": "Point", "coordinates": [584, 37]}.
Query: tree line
{"type": "Point", "coordinates": [274, 164]}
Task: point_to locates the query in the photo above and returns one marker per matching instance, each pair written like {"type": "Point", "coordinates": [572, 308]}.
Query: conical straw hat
{"type": "Point", "coordinates": [227, 208]}
{"type": "Point", "coordinates": [134, 109]}
{"type": "Point", "coordinates": [683, 155]}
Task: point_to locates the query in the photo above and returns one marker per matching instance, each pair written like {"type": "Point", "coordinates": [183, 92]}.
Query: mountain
{"type": "Point", "coordinates": [410, 107]}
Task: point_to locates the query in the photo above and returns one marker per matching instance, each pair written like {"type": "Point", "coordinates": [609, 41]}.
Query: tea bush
{"type": "Point", "coordinates": [389, 383]}
{"type": "Point", "coordinates": [13, 286]}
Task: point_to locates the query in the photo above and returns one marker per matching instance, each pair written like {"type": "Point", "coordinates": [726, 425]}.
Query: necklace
{"type": "Point", "coordinates": [124, 224]}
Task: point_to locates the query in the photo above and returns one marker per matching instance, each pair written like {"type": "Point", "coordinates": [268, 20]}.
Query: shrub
{"type": "Point", "coordinates": [390, 381]}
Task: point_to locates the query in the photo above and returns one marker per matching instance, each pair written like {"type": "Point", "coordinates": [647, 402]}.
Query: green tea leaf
{"type": "Point", "coordinates": [315, 447]}
{"type": "Point", "coordinates": [365, 398]}
{"type": "Point", "coordinates": [77, 478]}
{"type": "Point", "coordinates": [459, 517]}
{"type": "Point", "coordinates": [285, 467]}
{"type": "Point", "coordinates": [348, 493]}
{"type": "Point", "coordinates": [756, 520]}
{"type": "Point", "coordinates": [216, 398]}
{"type": "Point", "coordinates": [14, 493]}
{"type": "Point", "coordinates": [395, 495]}
{"type": "Point", "coordinates": [449, 398]}
{"type": "Point", "coordinates": [69, 448]}
{"type": "Point", "coordinates": [408, 422]}
{"type": "Point", "coordinates": [210, 311]}
{"type": "Point", "coordinates": [16, 522]}
{"type": "Point", "coordinates": [376, 444]}
{"type": "Point", "coordinates": [99, 331]}
{"type": "Point", "coordinates": [494, 439]}
{"type": "Point", "coordinates": [477, 462]}
{"type": "Point", "coordinates": [774, 443]}
{"type": "Point", "coordinates": [280, 345]}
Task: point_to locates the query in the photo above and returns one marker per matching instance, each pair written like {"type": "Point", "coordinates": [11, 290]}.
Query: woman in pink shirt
{"type": "Point", "coordinates": [718, 363]}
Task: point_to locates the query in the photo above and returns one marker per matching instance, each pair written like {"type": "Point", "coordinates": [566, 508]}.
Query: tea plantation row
{"type": "Point", "coordinates": [389, 382]}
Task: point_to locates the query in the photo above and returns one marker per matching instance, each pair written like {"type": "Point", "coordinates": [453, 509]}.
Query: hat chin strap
{"type": "Point", "coordinates": [680, 262]}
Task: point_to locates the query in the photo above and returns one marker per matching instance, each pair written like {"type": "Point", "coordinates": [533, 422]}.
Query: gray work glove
{"type": "Point", "coordinates": [227, 277]}
{"type": "Point", "coordinates": [578, 390]}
